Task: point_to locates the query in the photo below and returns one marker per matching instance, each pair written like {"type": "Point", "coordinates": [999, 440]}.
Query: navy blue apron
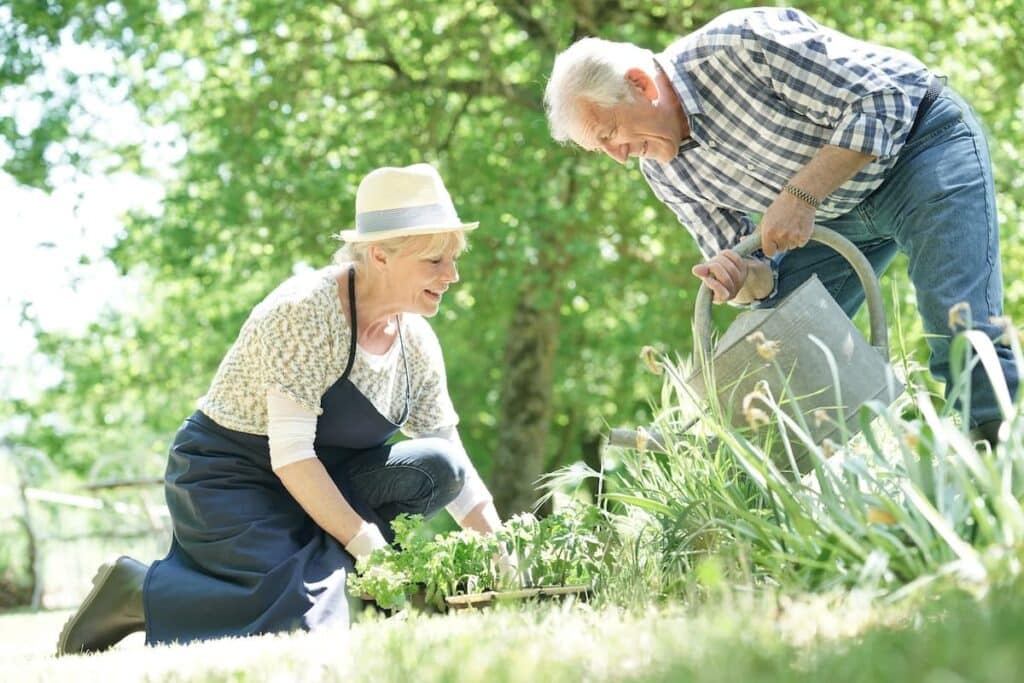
{"type": "Point", "coordinates": [245, 557]}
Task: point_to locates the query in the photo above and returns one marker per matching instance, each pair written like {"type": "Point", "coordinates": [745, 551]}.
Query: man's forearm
{"type": "Point", "coordinates": [789, 221]}
{"type": "Point", "coordinates": [831, 167]}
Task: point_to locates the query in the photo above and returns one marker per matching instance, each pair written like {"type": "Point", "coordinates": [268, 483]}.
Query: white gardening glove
{"type": "Point", "coordinates": [366, 540]}
{"type": "Point", "coordinates": [508, 568]}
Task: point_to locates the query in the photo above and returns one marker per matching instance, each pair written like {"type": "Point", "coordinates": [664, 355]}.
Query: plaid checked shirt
{"type": "Point", "coordinates": [764, 90]}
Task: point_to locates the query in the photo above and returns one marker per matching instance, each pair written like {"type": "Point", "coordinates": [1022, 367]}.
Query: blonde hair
{"type": "Point", "coordinates": [452, 242]}
{"type": "Point", "coordinates": [590, 71]}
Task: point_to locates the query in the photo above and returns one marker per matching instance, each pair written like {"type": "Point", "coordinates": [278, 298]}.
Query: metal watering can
{"type": "Point", "coordinates": [736, 365]}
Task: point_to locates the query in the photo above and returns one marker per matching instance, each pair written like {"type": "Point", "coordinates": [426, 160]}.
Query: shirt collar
{"type": "Point", "coordinates": [681, 82]}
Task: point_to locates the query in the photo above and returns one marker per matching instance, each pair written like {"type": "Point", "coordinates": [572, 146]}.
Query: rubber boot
{"type": "Point", "coordinates": [112, 609]}
{"type": "Point", "coordinates": [987, 431]}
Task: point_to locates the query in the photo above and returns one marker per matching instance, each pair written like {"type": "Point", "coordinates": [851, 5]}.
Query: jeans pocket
{"type": "Point", "coordinates": [930, 136]}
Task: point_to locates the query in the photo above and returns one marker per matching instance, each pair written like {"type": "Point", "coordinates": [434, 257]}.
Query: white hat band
{"type": "Point", "coordinates": [404, 217]}
{"type": "Point", "coordinates": [416, 202]}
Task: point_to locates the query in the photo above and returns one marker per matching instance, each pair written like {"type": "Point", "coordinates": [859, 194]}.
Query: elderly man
{"type": "Point", "coordinates": [763, 111]}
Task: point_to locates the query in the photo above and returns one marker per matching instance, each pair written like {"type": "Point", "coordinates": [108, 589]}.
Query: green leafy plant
{"type": "Point", "coordinates": [909, 503]}
{"type": "Point", "coordinates": [563, 548]}
{"type": "Point", "coordinates": [449, 563]}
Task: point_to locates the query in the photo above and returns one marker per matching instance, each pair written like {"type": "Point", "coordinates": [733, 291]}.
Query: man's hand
{"type": "Point", "coordinates": [725, 274]}
{"type": "Point", "coordinates": [786, 225]}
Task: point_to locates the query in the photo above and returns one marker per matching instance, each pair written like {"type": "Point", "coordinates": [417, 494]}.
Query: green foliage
{"type": "Point", "coordinates": [15, 575]}
{"type": "Point", "coordinates": [565, 548]}
{"type": "Point", "coordinates": [280, 111]}
{"type": "Point", "coordinates": [457, 562]}
{"type": "Point", "coordinates": [917, 501]}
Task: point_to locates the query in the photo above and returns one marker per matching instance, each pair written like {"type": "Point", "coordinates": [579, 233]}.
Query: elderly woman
{"type": "Point", "coordinates": [285, 476]}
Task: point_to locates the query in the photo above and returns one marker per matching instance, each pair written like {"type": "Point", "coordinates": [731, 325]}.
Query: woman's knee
{"type": "Point", "coordinates": [445, 466]}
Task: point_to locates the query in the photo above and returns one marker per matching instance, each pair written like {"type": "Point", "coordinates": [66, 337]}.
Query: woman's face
{"type": "Point", "coordinates": [419, 281]}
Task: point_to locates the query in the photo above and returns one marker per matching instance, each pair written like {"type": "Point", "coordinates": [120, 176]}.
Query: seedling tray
{"type": "Point", "coordinates": [487, 598]}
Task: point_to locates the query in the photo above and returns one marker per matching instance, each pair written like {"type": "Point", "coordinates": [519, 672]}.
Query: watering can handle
{"type": "Point", "coordinates": [846, 248]}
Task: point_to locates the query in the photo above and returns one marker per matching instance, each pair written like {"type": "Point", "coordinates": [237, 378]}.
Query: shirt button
{"type": "Point", "coordinates": [750, 167]}
{"type": "Point", "coordinates": [711, 144]}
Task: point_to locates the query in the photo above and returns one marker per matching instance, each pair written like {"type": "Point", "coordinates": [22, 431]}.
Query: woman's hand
{"type": "Point", "coordinates": [508, 568]}
{"type": "Point", "coordinates": [366, 540]}
{"type": "Point", "coordinates": [483, 518]}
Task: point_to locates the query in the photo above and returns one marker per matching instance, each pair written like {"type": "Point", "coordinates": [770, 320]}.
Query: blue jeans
{"type": "Point", "coordinates": [937, 206]}
{"type": "Point", "coordinates": [418, 476]}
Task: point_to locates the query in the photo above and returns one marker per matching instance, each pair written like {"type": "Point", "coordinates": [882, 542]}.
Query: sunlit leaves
{"type": "Point", "coordinates": [271, 112]}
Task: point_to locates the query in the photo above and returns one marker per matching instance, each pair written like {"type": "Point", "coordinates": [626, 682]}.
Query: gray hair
{"type": "Point", "coordinates": [425, 246]}
{"type": "Point", "coordinates": [590, 71]}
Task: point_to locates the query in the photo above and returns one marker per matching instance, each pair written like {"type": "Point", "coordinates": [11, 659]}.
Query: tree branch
{"type": "Point", "coordinates": [516, 94]}
{"type": "Point", "coordinates": [524, 20]}
{"type": "Point", "coordinates": [455, 124]}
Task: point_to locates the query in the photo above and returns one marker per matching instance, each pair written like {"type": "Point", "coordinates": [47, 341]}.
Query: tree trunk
{"type": "Point", "coordinates": [35, 569]}
{"type": "Point", "coordinates": [591, 447]}
{"type": "Point", "coordinates": [525, 413]}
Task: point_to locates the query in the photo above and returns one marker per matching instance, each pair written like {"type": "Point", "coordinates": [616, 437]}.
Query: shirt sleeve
{"type": "Point", "coordinates": [823, 75]}
{"type": "Point", "coordinates": [294, 351]}
{"type": "Point", "coordinates": [433, 415]}
{"type": "Point", "coordinates": [714, 229]}
{"type": "Point", "coordinates": [291, 430]}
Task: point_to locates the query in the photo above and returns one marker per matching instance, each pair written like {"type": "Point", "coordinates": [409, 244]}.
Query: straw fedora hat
{"type": "Point", "coordinates": [396, 202]}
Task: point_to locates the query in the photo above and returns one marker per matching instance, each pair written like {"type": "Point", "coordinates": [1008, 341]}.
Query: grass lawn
{"type": "Point", "coordinates": [842, 638]}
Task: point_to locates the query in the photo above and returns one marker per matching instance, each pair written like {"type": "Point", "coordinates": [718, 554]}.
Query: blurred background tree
{"type": "Point", "coordinates": [274, 110]}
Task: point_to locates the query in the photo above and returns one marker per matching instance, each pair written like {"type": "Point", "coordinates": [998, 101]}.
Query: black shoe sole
{"type": "Point", "coordinates": [101, 577]}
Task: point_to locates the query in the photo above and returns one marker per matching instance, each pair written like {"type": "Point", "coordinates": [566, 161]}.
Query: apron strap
{"type": "Point", "coordinates": [352, 315]}
{"type": "Point", "coordinates": [352, 346]}
{"type": "Point", "coordinates": [405, 362]}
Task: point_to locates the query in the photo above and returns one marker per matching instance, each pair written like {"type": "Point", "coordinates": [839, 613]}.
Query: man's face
{"type": "Point", "coordinates": [637, 128]}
